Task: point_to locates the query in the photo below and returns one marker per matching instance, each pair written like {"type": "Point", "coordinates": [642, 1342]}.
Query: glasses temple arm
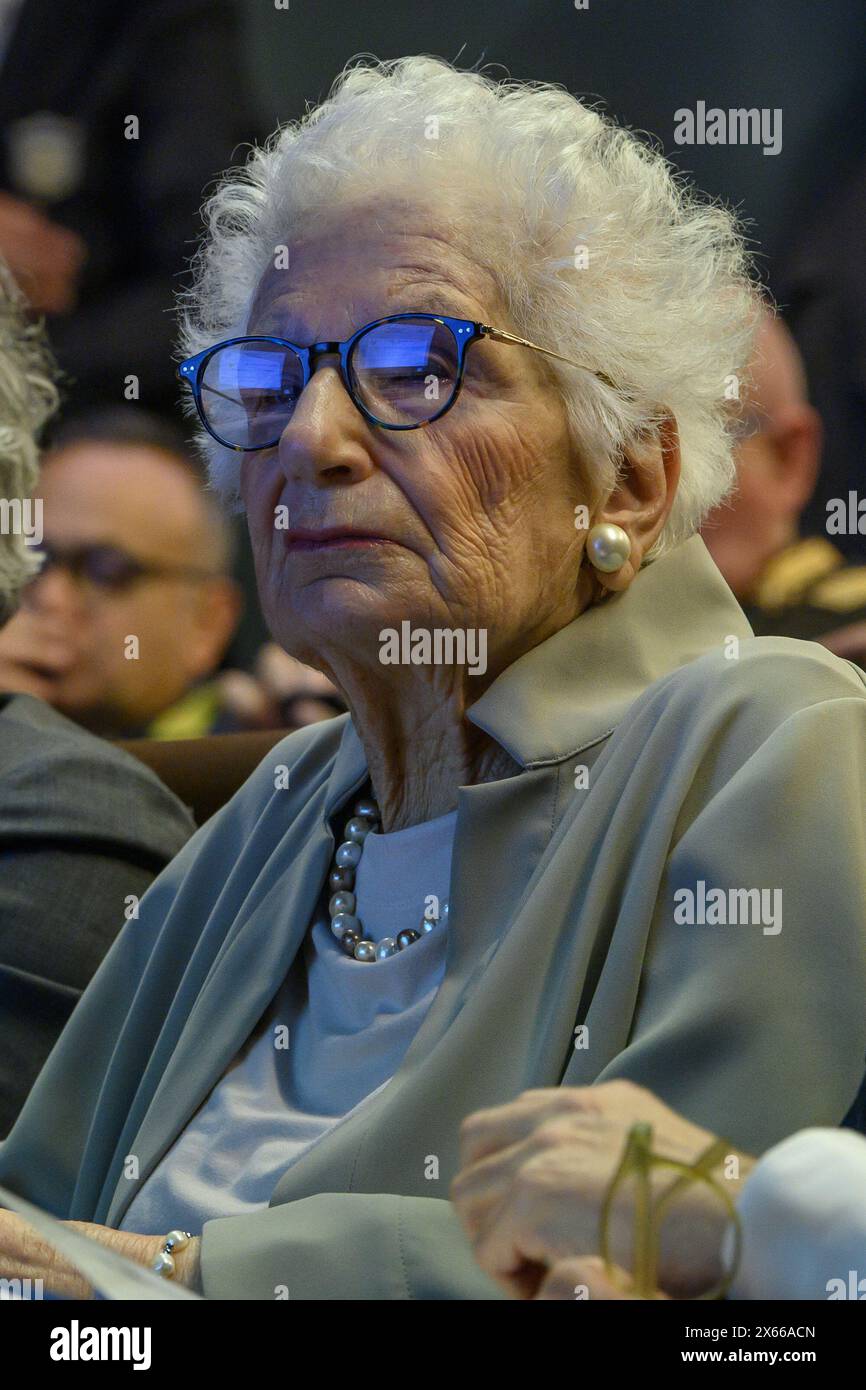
{"type": "Point", "coordinates": [500, 336]}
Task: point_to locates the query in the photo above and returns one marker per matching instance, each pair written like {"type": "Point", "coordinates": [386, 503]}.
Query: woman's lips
{"type": "Point", "coordinates": [331, 539]}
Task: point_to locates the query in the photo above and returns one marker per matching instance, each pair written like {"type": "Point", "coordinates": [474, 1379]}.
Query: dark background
{"type": "Point", "coordinates": [642, 58]}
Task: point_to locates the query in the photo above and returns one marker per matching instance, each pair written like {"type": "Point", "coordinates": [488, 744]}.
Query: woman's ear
{"type": "Point", "coordinates": [641, 501]}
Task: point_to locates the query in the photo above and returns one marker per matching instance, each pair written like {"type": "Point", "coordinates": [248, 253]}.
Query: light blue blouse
{"type": "Point", "coordinates": [336, 1032]}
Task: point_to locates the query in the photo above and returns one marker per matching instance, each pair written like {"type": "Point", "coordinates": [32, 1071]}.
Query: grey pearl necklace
{"type": "Point", "coordinates": [345, 925]}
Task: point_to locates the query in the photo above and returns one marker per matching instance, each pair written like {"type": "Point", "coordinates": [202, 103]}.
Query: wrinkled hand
{"type": "Point", "coordinates": [534, 1175]}
{"type": "Point", "coordinates": [585, 1277]}
{"type": "Point", "coordinates": [25, 1255]}
{"type": "Point", "coordinates": [45, 258]}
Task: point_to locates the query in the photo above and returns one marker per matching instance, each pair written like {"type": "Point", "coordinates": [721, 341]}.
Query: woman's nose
{"type": "Point", "coordinates": [326, 440]}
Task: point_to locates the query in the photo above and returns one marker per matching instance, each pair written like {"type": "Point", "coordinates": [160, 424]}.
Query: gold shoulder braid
{"type": "Point", "coordinates": [842, 592]}
{"type": "Point", "coordinates": [788, 577]}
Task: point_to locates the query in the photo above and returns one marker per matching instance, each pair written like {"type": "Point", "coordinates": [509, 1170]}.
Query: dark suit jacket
{"type": "Point", "coordinates": [177, 65]}
{"type": "Point", "coordinates": [83, 827]}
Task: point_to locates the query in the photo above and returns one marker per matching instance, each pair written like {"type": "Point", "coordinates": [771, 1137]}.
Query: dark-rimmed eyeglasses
{"type": "Point", "coordinates": [107, 567]}
{"type": "Point", "coordinates": [402, 372]}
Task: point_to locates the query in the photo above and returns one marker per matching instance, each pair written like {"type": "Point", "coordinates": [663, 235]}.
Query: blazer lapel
{"type": "Point", "coordinates": [256, 956]}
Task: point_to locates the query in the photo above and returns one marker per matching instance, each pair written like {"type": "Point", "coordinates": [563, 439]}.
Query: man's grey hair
{"type": "Point", "coordinates": [597, 248]}
{"type": "Point", "coordinates": [28, 396]}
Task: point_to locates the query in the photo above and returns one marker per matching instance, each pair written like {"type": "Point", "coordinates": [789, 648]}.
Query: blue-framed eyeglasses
{"type": "Point", "coordinates": [402, 372]}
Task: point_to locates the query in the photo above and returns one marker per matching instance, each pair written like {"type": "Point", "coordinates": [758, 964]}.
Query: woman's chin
{"type": "Point", "coordinates": [340, 614]}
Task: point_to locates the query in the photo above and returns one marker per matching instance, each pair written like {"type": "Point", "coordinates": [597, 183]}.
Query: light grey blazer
{"type": "Point", "coordinates": [710, 756]}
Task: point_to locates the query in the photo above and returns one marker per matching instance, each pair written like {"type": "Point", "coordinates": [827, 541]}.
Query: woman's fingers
{"type": "Point", "coordinates": [528, 1206]}
{"type": "Point", "coordinates": [504, 1125]}
{"type": "Point", "coordinates": [480, 1190]}
{"type": "Point", "coordinates": [585, 1277]}
{"type": "Point", "coordinates": [533, 1176]}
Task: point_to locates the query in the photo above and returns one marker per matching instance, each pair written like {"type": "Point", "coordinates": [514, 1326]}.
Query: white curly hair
{"type": "Point", "coordinates": [599, 250]}
{"type": "Point", "coordinates": [28, 397]}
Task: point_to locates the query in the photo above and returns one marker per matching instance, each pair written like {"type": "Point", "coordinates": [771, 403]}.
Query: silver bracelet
{"type": "Point", "coordinates": [164, 1262]}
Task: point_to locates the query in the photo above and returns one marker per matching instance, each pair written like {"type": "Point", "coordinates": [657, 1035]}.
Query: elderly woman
{"type": "Point", "coordinates": [465, 354]}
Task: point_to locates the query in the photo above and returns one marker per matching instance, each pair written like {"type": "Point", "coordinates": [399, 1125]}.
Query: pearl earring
{"type": "Point", "coordinates": [608, 547]}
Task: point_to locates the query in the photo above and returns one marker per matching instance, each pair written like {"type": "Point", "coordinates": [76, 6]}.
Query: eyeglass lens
{"type": "Point", "coordinates": [402, 372]}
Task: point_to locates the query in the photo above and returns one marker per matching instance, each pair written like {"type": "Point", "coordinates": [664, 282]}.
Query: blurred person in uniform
{"type": "Point", "coordinates": [821, 280]}
{"type": "Point", "coordinates": [788, 585]}
{"type": "Point", "coordinates": [134, 606]}
{"type": "Point", "coordinates": [84, 827]}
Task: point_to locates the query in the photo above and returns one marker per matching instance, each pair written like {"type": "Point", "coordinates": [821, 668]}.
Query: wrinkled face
{"type": "Point", "coordinates": [470, 521]}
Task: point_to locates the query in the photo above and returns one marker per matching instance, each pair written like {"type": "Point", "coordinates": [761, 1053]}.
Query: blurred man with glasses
{"type": "Point", "coordinates": [133, 606]}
